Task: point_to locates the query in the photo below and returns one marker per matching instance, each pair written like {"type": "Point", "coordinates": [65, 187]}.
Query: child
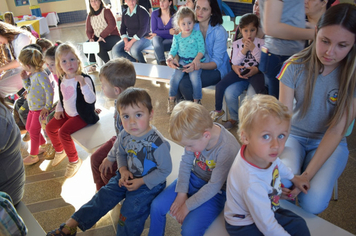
{"type": "Point", "coordinates": [75, 108]}
{"type": "Point", "coordinates": [245, 58]}
{"type": "Point", "coordinates": [115, 76]}
{"type": "Point", "coordinates": [198, 196]}
{"type": "Point", "coordinates": [254, 181]}
{"type": "Point", "coordinates": [40, 99]}
{"type": "Point", "coordinates": [189, 46]}
{"type": "Point", "coordinates": [9, 18]}
{"type": "Point", "coordinates": [144, 162]}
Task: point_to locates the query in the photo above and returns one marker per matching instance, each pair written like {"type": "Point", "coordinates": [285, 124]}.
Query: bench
{"type": "Point", "coordinates": [33, 227]}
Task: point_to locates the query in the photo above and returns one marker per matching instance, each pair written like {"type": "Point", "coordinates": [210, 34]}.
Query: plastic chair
{"type": "Point", "coordinates": [229, 27]}
{"type": "Point", "coordinates": [91, 48]}
{"type": "Point", "coordinates": [226, 18]}
{"type": "Point", "coordinates": [237, 20]}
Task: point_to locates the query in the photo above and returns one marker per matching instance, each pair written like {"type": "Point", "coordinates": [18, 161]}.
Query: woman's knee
{"type": "Point", "coordinates": [314, 203]}
{"type": "Point", "coordinates": [157, 41]}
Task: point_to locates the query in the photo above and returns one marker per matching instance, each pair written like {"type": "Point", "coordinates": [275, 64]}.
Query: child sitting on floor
{"type": "Point", "coordinates": [254, 181]}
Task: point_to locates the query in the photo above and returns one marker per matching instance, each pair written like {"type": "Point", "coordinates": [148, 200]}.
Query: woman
{"type": "Point", "coordinates": [135, 26]}
{"type": "Point", "coordinates": [12, 40]}
{"type": "Point", "coordinates": [101, 27]}
{"type": "Point", "coordinates": [162, 29]}
{"type": "Point", "coordinates": [322, 81]}
{"type": "Point", "coordinates": [314, 9]}
{"type": "Point", "coordinates": [12, 172]}
{"type": "Point", "coordinates": [216, 65]}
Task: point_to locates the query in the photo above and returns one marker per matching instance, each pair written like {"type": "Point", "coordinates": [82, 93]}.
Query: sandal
{"type": "Point", "coordinates": [59, 232]}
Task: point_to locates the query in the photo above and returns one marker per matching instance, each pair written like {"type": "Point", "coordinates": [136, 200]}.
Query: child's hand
{"type": "Point", "coordinates": [172, 63]}
{"type": "Point", "coordinates": [80, 79]}
{"type": "Point", "coordinates": [97, 111]}
{"type": "Point", "coordinates": [105, 166]}
{"type": "Point", "coordinates": [253, 70]}
{"type": "Point", "coordinates": [44, 112]}
{"type": "Point", "coordinates": [178, 202]}
{"type": "Point", "coordinates": [134, 184]}
{"type": "Point", "coordinates": [182, 213]}
{"type": "Point", "coordinates": [301, 182]}
{"type": "Point", "coordinates": [24, 74]}
{"type": "Point", "coordinates": [236, 69]}
{"type": "Point", "coordinates": [58, 115]}
{"type": "Point", "coordinates": [249, 45]}
{"type": "Point", "coordinates": [125, 176]}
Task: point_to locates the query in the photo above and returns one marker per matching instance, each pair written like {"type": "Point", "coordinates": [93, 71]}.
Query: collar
{"type": "Point", "coordinates": [131, 13]}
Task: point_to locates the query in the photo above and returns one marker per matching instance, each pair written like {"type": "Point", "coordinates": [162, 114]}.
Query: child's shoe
{"type": "Point", "coordinates": [42, 149]}
{"type": "Point", "coordinates": [216, 115]}
{"type": "Point", "coordinates": [27, 137]}
{"type": "Point", "coordinates": [171, 104]}
{"type": "Point", "coordinates": [30, 160]}
{"type": "Point", "coordinates": [50, 152]}
{"type": "Point", "coordinates": [59, 232]}
{"type": "Point", "coordinates": [58, 157]}
{"type": "Point", "coordinates": [72, 168]}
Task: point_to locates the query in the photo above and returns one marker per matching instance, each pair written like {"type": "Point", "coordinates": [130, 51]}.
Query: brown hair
{"type": "Point", "coordinates": [31, 57]}
{"type": "Point", "coordinates": [134, 96]}
{"type": "Point", "coordinates": [9, 18]}
{"type": "Point", "coordinates": [44, 43]}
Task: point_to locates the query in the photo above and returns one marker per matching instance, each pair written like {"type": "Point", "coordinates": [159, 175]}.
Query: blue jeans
{"type": "Point", "coordinates": [134, 210]}
{"type": "Point", "coordinates": [292, 223]}
{"type": "Point", "coordinates": [270, 65]}
{"type": "Point", "coordinates": [208, 78]}
{"type": "Point", "coordinates": [195, 80]}
{"type": "Point", "coordinates": [297, 154]}
{"type": "Point", "coordinates": [161, 45]}
{"type": "Point", "coordinates": [232, 94]}
{"type": "Point", "coordinates": [135, 51]}
{"type": "Point", "coordinates": [197, 221]}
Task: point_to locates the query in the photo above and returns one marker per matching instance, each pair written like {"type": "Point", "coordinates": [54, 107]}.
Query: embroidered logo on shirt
{"type": "Point", "coordinates": [332, 96]}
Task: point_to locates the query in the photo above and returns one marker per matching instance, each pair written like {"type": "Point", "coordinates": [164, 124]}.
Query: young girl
{"type": "Point", "coordinates": [75, 108]}
{"type": "Point", "coordinates": [189, 46]}
{"type": "Point", "coordinates": [245, 58]}
{"type": "Point", "coordinates": [39, 97]}
{"type": "Point", "coordinates": [322, 81]}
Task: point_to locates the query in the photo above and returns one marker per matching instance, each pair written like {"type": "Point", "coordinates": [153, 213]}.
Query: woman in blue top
{"type": "Point", "coordinates": [216, 64]}
{"type": "Point", "coordinates": [162, 29]}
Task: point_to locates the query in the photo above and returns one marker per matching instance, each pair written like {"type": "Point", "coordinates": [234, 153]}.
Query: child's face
{"type": "Point", "coordinates": [69, 64]}
{"type": "Point", "coordinates": [266, 139]}
{"type": "Point", "coordinates": [186, 25]}
{"type": "Point", "coordinates": [136, 119]}
{"type": "Point", "coordinates": [249, 32]}
{"type": "Point", "coordinates": [195, 145]}
{"type": "Point", "coordinates": [109, 90]}
{"type": "Point", "coordinates": [51, 65]}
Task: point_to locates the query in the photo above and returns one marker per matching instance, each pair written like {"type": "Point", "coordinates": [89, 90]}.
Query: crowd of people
{"type": "Point", "coordinates": [298, 57]}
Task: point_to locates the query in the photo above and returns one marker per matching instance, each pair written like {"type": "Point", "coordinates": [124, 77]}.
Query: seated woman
{"type": "Point", "coordinates": [12, 40]}
{"type": "Point", "coordinates": [162, 29]}
{"type": "Point", "coordinates": [314, 9]}
{"type": "Point", "coordinates": [135, 26]}
{"type": "Point", "coordinates": [101, 27]}
{"type": "Point", "coordinates": [216, 65]}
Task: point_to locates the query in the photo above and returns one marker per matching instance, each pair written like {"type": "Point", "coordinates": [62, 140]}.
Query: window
{"type": "Point", "coordinates": [21, 2]}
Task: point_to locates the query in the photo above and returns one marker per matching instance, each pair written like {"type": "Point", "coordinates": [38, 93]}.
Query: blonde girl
{"type": "Point", "coordinates": [39, 97]}
{"type": "Point", "coordinates": [322, 81]}
{"type": "Point", "coordinates": [75, 108]}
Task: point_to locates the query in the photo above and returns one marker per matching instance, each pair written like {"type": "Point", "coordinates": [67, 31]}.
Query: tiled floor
{"type": "Point", "coordinates": [52, 198]}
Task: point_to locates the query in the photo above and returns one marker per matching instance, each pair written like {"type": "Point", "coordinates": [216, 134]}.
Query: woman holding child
{"type": "Point", "coordinates": [216, 64]}
{"type": "Point", "coordinates": [322, 81]}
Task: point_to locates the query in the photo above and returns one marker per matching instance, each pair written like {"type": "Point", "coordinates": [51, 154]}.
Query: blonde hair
{"type": "Point", "coordinates": [119, 72]}
{"type": "Point", "coordinates": [189, 121]}
{"type": "Point", "coordinates": [31, 57]}
{"type": "Point", "coordinates": [182, 13]}
{"type": "Point", "coordinates": [64, 49]}
{"type": "Point", "coordinates": [260, 105]}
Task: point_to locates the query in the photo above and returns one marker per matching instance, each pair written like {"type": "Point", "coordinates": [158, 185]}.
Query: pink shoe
{"type": "Point", "coordinates": [30, 160]}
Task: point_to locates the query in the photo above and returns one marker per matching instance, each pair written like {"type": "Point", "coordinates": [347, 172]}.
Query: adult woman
{"type": "Point", "coordinates": [12, 172]}
{"type": "Point", "coordinates": [314, 9]}
{"type": "Point", "coordinates": [216, 65]}
{"type": "Point", "coordinates": [101, 27]}
{"type": "Point", "coordinates": [322, 81]}
{"type": "Point", "coordinates": [135, 26]}
{"type": "Point", "coordinates": [162, 29]}
{"type": "Point", "coordinates": [12, 40]}
{"type": "Point", "coordinates": [283, 22]}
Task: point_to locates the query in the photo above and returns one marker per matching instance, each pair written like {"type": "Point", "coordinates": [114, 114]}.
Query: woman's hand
{"type": "Point", "coordinates": [58, 115]}
{"type": "Point", "coordinates": [101, 39]}
{"type": "Point", "coordinates": [24, 75]}
{"type": "Point", "coordinates": [196, 64]}
{"type": "Point", "coordinates": [151, 35]}
{"type": "Point", "coordinates": [189, 68]}
{"type": "Point", "coordinates": [172, 31]}
{"type": "Point", "coordinates": [172, 62]}
{"type": "Point", "coordinates": [129, 45]}
{"type": "Point", "coordinates": [301, 182]}
{"type": "Point", "coordinates": [91, 40]}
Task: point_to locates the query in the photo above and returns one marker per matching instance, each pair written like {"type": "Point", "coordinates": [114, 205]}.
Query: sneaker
{"type": "Point", "coordinates": [230, 124]}
{"type": "Point", "coordinates": [27, 137]}
{"type": "Point", "coordinates": [59, 232]}
{"type": "Point", "coordinates": [171, 104]}
{"type": "Point", "coordinates": [50, 152]}
{"type": "Point", "coordinates": [58, 157]}
{"type": "Point", "coordinates": [72, 168]}
{"type": "Point", "coordinates": [30, 160]}
{"type": "Point", "coordinates": [216, 115]}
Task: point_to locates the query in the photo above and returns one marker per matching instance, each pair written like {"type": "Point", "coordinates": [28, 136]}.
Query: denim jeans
{"type": "Point", "coordinates": [197, 221]}
{"type": "Point", "coordinates": [232, 94]}
{"type": "Point", "coordinates": [161, 45]}
{"type": "Point", "coordinates": [134, 210]}
{"type": "Point", "coordinates": [270, 65]}
{"type": "Point", "coordinates": [195, 80]}
{"type": "Point", "coordinates": [291, 222]}
{"type": "Point", "coordinates": [297, 154]}
{"type": "Point", "coordinates": [135, 51]}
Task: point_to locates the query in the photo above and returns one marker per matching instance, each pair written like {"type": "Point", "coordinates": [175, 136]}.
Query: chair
{"type": "Point", "coordinates": [237, 20]}
{"type": "Point", "coordinates": [91, 48]}
{"type": "Point", "coordinates": [226, 18]}
{"type": "Point", "coordinates": [229, 27]}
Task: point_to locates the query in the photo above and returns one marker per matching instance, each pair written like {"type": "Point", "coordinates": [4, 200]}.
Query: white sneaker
{"type": "Point", "coordinates": [58, 157]}
{"type": "Point", "coordinates": [72, 168]}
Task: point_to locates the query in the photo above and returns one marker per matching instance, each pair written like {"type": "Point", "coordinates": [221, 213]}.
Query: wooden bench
{"type": "Point", "coordinates": [33, 227]}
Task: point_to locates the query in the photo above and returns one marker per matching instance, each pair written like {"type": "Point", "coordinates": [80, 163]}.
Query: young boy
{"type": "Point", "coordinates": [253, 185]}
{"type": "Point", "coordinates": [144, 162]}
{"type": "Point", "coordinates": [115, 76]}
{"type": "Point", "coordinates": [198, 196]}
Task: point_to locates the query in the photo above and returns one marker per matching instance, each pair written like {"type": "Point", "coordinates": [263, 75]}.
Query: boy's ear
{"type": "Point", "coordinates": [151, 115]}
{"type": "Point", "coordinates": [244, 137]}
{"type": "Point", "coordinates": [207, 134]}
{"type": "Point", "coordinates": [117, 90]}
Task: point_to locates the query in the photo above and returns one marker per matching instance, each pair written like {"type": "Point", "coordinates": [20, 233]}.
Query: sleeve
{"type": "Point", "coordinates": [117, 152]}
{"type": "Point", "coordinates": [123, 27]}
{"type": "Point", "coordinates": [89, 29]}
{"type": "Point", "coordinates": [144, 23]}
{"type": "Point", "coordinates": [175, 45]}
{"type": "Point", "coordinates": [200, 41]}
{"type": "Point", "coordinates": [20, 42]}
{"type": "Point", "coordinates": [284, 171]}
{"type": "Point", "coordinates": [256, 53]}
{"type": "Point", "coordinates": [164, 166]}
{"type": "Point", "coordinates": [237, 56]}
{"type": "Point", "coordinates": [287, 74]}
{"type": "Point", "coordinates": [26, 84]}
{"type": "Point", "coordinates": [88, 91]}
{"type": "Point", "coordinates": [185, 167]}
{"type": "Point", "coordinates": [47, 87]}
{"type": "Point", "coordinates": [59, 106]}
{"type": "Point", "coordinates": [110, 20]}
{"type": "Point", "coordinates": [259, 206]}
{"type": "Point", "coordinates": [219, 46]}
